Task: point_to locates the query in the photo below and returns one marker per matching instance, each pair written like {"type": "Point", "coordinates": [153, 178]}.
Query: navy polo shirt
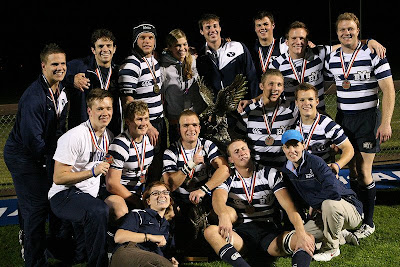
{"type": "Point", "coordinates": [147, 221]}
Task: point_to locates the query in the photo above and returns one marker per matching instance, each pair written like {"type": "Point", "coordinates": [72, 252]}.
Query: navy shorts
{"type": "Point", "coordinates": [361, 129]}
{"type": "Point", "coordinates": [257, 235]}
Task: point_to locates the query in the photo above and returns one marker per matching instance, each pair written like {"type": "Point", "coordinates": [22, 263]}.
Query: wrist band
{"type": "Point", "coordinates": [338, 165]}
{"type": "Point", "coordinates": [206, 190]}
{"type": "Point", "coordinates": [145, 237]}
{"type": "Point", "coordinates": [94, 175]}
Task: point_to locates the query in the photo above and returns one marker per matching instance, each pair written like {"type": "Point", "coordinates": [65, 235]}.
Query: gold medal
{"type": "Point", "coordinates": [156, 89]}
{"type": "Point", "coordinates": [346, 84]}
{"type": "Point", "coordinates": [269, 141]}
{"type": "Point", "coordinates": [250, 209]}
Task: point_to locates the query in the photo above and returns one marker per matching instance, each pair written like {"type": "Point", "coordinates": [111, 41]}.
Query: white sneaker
{"type": "Point", "coordinates": [350, 238]}
{"type": "Point", "coordinates": [364, 231]}
{"type": "Point", "coordinates": [327, 255]}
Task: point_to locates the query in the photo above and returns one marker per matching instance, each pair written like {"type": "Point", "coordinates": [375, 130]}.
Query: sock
{"type": "Point", "coordinates": [230, 255]}
{"type": "Point", "coordinates": [300, 258]}
{"type": "Point", "coordinates": [369, 203]}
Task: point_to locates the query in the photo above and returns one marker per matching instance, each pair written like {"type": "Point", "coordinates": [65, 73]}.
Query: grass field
{"type": "Point", "coordinates": [380, 249]}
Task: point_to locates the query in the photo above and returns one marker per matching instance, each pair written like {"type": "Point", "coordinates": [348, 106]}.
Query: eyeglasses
{"type": "Point", "coordinates": [158, 193]}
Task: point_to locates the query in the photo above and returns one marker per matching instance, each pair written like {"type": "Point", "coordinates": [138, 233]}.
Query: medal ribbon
{"type": "Point", "coordinates": [104, 142]}
{"type": "Point", "coordinates": [312, 129]}
{"type": "Point", "coordinates": [248, 191]}
{"type": "Point", "coordinates": [185, 158]}
{"type": "Point", "coordinates": [265, 117]}
{"type": "Point", "coordinates": [265, 61]}
{"type": "Point", "coordinates": [140, 156]}
{"type": "Point", "coordinates": [346, 73]}
{"type": "Point", "coordinates": [100, 76]}
{"type": "Point", "coordinates": [152, 69]}
{"type": "Point", "coordinates": [56, 105]}
{"type": "Point", "coordinates": [303, 71]}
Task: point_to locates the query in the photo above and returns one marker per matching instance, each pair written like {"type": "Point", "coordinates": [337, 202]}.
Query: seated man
{"type": "Point", "coordinates": [249, 197]}
{"type": "Point", "coordinates": [321, 134]}
{"type": "Point", "coordinates": [331, 202]}
{"type": "Point", "coordinates": [132, 154]}
{"type": "Point", "coordinates": [188, 170]}
{"type": "Point", "coordinates": [77, 170]}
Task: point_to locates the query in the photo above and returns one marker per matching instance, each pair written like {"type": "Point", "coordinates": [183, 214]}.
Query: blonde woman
{"type": "Point", "coordinates": [179, 74]}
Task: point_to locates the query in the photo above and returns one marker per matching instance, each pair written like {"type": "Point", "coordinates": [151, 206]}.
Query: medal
{"type": "Point", "coordinates": [104, 84]}
{"type": "Point", "coordinates": [156, 89]}
{"type": "Point", "coordinates": [346, 84]}
{"type": "Point", "coordinates": [108, 158]}
{"type": "Point", "coordinates": [346, 71]}
{"type": "Point", "coordinates": [140, 159]}
{"type": "Point", "coordinates": [264, 61]}
{"type": "Point", "coordinates": [310, 134]}
{"type": "Point", "coordinates": [299, 76]}
{"type": "Point", "coordinates": [269, 141]}
{"type": "Point", "coordinates": [250, 209]}
{"type": "Point", "coordinates": [105, 140]}
{"type": "Point", "coordinates": [186, 158]}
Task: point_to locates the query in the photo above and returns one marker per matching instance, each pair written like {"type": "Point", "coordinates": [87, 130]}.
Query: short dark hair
{"type": "Point", "coordinates": [305, 87]}
{"type": "Point", "coordinates": [297, 25]}
{"type": "Point", "coordinates": [234, 141]}
{"type": "Point", "coordinates": [188, 112]}
{"type": "Point", "coordinates": [269, 72]}
{"type": "Point", "coordinates": [207, 17]}
{"type": "Point", "coordinates": [49, 49]}
{"type": "Point", "coordinates": [101, 34]}
{"type": "Point", "coordinates": [147, 192]}
{"type": "Point", "coordinates": [262, 14]}
{"type": "Point", "coordinates": [97, 94]}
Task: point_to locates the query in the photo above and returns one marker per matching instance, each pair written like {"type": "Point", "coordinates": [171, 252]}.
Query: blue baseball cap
{"type": "Point", "coordinates": [291, 135]}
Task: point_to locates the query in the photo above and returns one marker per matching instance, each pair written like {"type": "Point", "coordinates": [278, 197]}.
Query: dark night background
{"type": "Point", "coordinates": [27, 26]}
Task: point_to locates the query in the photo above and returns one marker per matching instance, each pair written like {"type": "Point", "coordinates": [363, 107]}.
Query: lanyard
{"type": "Point", "coordinates": [140, 156]}
{"type": "Point", "coordinates": [299, 76]}
{"type": "Point", "coordinates": [103, 85]}
{"type": "Point", "coordinates": [265, 117]}
{"type": "Point", "coordinates": [249, 191]}
{"type": "Point", "coordinates": [104, 141]}
{"type": "Point", "coordinates": [53, 99]}
{"type": "Point", "coordinates": [185, 156]}
{"type": "Point", "coordinates": [264, 61]}
{"type": "Point", "coordinates": [313, 127]}
{"type": "Point", "coordinates": [346, 72]}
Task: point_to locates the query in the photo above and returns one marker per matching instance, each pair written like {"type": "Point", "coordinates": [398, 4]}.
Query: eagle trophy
{"type": "Point", "coordinates": [214, 117]}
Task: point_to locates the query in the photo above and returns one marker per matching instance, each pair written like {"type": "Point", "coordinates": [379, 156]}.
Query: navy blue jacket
{"type": "Point", "coordinates": [147, 221]}
{"type": "Point", "coordinates": [77, 99]}
{"type": "Point", "coordinates": [37, 128]}
{"type": "Point", "coordinates": [315, 182]}
{"type": "Point", "coordinates": [234, 59]}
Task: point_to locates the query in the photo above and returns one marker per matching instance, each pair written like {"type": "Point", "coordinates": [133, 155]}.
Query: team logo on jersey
{"type": "Point", "coordinates": [313, 76]}
{"type": "Point", "coordinates": [310, 175]}
{"type": "Point", "coordinates": [231, 54]}
{"type": "Point", "coordinates": [318, 147]}
{"type": "Point", "coordinates": [257, 131]}
{"type": "Point", "coordinates": [267, 199]}
{"type": "Point", "coordinates": [362, 75]}
{"type": "Point", "coordinates": [147, 83]}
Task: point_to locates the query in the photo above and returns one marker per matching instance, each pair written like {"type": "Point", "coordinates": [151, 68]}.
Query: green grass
{"type": "Point", "coordinates": [380, 249]}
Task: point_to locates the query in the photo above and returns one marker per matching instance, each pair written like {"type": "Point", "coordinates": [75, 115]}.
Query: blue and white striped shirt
{"type": "Point", "coordinates": [364, 75]}
{"type": "Point", "coordinates": [135, 78]}
{"type": "Point", "coordinates": [267, 182]}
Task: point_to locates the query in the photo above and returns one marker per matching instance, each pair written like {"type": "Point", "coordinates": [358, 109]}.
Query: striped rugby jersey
{"type": "Point", "coordinates": [364, 75]}
{"type": "Point", "coordinates": [326, 132]}
{"type": "Point", "coordinates": [135, 78]}
{"type": "Point", "coordinates": [313, 71]}
{"type": "Point", "coordinates": [126, 159]}
{"type": "Point", "coordinates": [267, 182]}
{"type": "Point", "coordinates": [256, 131]}
{"type": "Point", "coordinates": [173, 161]}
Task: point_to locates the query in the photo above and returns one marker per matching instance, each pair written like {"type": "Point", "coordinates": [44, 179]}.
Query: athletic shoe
{"type": "Point", "coordinates": [364, 231]}
{"type": "Point", "coordinates": [327, 255]}
{"type": "Point", "coordinates": [350, 238]}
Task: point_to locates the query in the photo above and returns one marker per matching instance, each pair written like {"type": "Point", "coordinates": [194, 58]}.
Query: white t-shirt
{"type": "Point", "coordinates": [76, 148]}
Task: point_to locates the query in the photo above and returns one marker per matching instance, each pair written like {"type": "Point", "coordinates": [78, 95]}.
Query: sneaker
{"type": "Point", "coordinates": [364, 231]}
{"type": "Point", "coordinates": [327, 255]}
{"type": "Point", "coordinates": [350, 238]}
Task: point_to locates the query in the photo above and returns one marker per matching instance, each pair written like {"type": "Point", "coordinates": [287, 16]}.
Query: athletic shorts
{"type": "Point", "coordinates": [257, 235]}
{"type": "Point", "coordinates": [361, 129]}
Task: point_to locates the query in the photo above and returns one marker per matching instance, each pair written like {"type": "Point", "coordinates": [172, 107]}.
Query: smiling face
{"type": "Point", "coordinates": [100, 113]}
{"type": "Point", "coordinates": [211, 31]}
{"type": "Point", "coordinates": [297, 42]}
{"type": "Point", "coordinates": [189, 128]}
{"type": "Point", "coordinates": [180, 49]}
{"type": "Point", "coordinates": [347, 32]}
{"type": "Point", "coordinates": [54, 68]}
{"type": "Point", "coordinates": [264, 28]}
{"type": "Point", "coordinates": [159, 198]}
{"type": "Point", "coordinates": [307, 101]}
{"type": "Point", "coordinates": [103, 51]}
{"type": "Point", "coordinates": [272, 87]}
{"type": "Point", "coordinates": [239, 153]}
{"type": "Point", "coordinates": [139, 125]}
{"type": "Point", "coordinates": [146, 43]}
{"type": "Point", "coordinates": [293, 150]}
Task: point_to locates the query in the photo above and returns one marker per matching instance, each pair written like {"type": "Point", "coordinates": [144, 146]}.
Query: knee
{"type": "Point", "coordinates": [210, 232]}
{"type": "Point", "coordinates": [99, 211]}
